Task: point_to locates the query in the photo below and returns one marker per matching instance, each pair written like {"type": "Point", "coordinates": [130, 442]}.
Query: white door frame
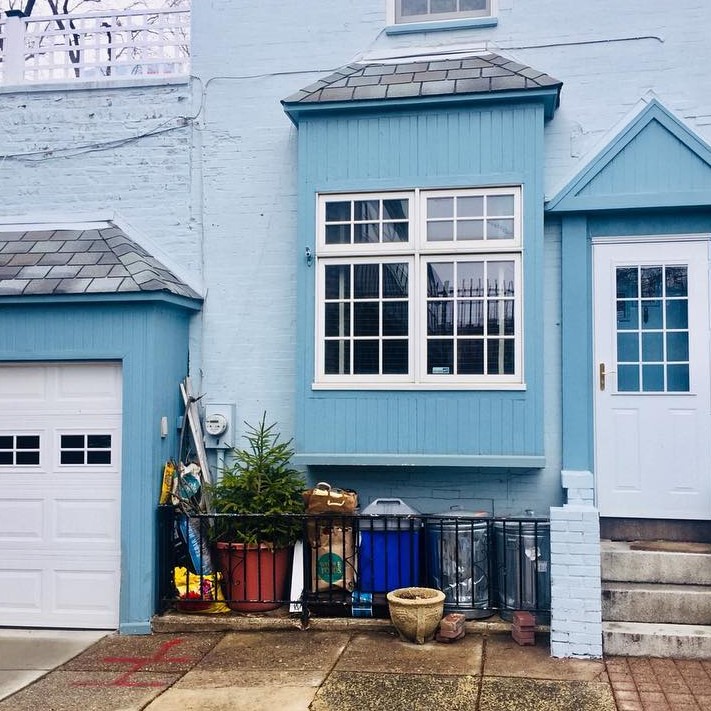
{"type": "Point", "coordinates": [652, 452]}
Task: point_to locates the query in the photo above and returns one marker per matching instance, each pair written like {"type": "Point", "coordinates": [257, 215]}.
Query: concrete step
{"type": "Point", "coordinates": [643, 639]}
{"type": "Point", "coordinates": [619, 562]}
{"type": "Point", "coordinates": [649, 602]}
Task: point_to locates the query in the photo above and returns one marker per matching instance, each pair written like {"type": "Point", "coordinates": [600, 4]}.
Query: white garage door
{"type": "Point", "coordinates": [60, 484]}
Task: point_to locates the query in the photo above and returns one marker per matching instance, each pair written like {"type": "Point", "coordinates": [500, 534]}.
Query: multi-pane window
{"type": "Point", "coordinates": [85, 449]}
{"type": "Point", "coordinates": [652, 328]}
{"type": "Point", "coordinates": [19, 450]}
{"type": "Point", "coordinates": [420, 287]}
{"type": "Point", "coordinates": [424, 10]}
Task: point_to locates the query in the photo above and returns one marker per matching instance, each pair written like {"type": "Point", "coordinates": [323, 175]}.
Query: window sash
{"type": "Point", "coordinates": [346, 316]}
{"type": "Point", "coordinates": [481, 324]}
{"type": "Point", "coordinates": [434, 10]}
{"type": "Point", "coordinates": [488, 352]}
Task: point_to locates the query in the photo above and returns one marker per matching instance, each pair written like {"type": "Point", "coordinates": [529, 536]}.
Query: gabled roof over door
{"type": "Point", "coordinates": [655, 161]}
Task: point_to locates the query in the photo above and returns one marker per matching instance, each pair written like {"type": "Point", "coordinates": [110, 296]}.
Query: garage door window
{"type": "Point", "coordinates": [19, 450]}
{"type": "Point", "coordinates": [85, 449]}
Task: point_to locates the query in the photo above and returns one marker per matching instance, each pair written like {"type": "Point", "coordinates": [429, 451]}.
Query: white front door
{"type": "Point", "coordinates": [60, 483]}
{"type": "Point", "coordinates": [651, 380]}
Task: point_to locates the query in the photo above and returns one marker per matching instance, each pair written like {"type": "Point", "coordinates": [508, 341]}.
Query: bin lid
{"type": "Point", "coordinates": [459, 512]}
{"type": "Point", "coordinates": [389, 507]}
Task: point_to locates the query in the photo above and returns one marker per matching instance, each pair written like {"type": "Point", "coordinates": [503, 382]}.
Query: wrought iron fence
{"type": "Point", "coordinates": [346, 565]}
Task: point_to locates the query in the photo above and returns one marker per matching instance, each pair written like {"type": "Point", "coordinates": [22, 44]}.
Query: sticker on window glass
{"type": "Point", "coordinates": [440, 370]}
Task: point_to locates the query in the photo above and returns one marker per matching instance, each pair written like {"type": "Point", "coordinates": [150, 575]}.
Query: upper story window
{"type": "Point", "coordinates": [420, 287]}
{"type": "Point", "coordinates": [426, 10]}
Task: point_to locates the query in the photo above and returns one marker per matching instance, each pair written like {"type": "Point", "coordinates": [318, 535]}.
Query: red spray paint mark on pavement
{"type": "Point", "coordinates": [138, 664]}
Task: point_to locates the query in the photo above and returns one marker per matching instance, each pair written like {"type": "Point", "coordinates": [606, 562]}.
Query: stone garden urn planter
{"type": "Point", "coordinates": [416, 612]}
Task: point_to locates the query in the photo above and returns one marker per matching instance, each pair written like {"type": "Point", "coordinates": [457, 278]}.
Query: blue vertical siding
{"type": "Point", "coordinates": [578, 368]}
{"type": "Point", "coordinates": [453, 147]}
{"type": "Point", "coordinates": [151, 342]}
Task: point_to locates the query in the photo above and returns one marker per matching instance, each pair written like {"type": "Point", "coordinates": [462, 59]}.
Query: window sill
{"type": "Point", "coordinates": [406, 28]}
{"type": "Point", "coordinates": [418, 387]}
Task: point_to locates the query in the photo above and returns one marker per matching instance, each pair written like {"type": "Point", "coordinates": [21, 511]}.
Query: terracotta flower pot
{"type": "Point", "coordinates": [255, 577]}
{"type": "Point", "coordinates": [416, 612]}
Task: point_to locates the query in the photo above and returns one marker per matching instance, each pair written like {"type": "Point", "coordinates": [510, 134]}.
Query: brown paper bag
{"type": "Point", "coordinates": [323, 499]}
{"type": "Point", "coordinates": [333, 559]}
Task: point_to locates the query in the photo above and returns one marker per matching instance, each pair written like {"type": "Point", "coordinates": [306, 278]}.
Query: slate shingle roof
{"type": "Point", "coordinates": [475, 74]}
{"type": "Point", "coordinates": [93, 261]}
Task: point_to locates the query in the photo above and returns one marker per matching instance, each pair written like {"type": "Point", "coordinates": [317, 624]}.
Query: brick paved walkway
{"type": "Point", "coordinates": [643, 684]}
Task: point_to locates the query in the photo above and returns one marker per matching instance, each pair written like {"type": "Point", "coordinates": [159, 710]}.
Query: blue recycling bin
{"type": "Point", "coordinates": [389, 547]}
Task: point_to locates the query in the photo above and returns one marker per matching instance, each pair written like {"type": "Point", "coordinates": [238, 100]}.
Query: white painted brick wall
{"type": "Point", "coordinates": [576, 594]}
{"type": "Point", "coordinates": [70, 152]}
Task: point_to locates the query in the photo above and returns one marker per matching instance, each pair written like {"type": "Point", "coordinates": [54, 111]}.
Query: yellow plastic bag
{"type": "Point", "coordinates": [198, 593]}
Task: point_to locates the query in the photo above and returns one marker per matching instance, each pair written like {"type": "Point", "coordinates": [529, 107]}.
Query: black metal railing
{"type": "Point", "coordinates": [346, 565]}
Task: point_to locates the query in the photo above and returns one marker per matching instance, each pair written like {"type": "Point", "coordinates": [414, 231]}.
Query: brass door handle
{"type": "Point", "coordinates": [602, 374]}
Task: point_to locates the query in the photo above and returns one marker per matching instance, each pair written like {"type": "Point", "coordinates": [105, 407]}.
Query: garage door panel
{"type": "Point", "coordinates": [21, 586]}
{"type": "Point", "coordinates": [21, 521]}
{"type": "Point", "coordinates": [23, 387]}
{"type": "Point", "coordinates": [92, 522]}
{"type": "Point", "coordinates": [92, 592]}
{"type": "Point", "coordinates": [60, 495]}
{"type": "Point", "coordinates": [94, 386]}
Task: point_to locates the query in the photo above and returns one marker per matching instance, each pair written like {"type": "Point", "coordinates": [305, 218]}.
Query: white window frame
{"type": "Point", "coordinates": [417, 253]}
{"type": "Point", "coordinates": [395, 17]}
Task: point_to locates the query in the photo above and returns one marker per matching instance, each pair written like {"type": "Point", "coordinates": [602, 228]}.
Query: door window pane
{"type": "Point", "coordinates": [627, 315]}
{"type": "Point", "coordinates": [651, 281]}
{"type": "Point", "coordinates": [677, 313]}
{"type": "Point", "coordinates": [652, 347]}
{"type": "Point", "coordinates": [628, 378]}
{"type": "Point", "coordinates": [657, 319]}
{"type": "Point", "coordinates": [652, 378]}
{"type": "Point", "coordinates": [627, 283]}
{"type": "Point", "coordinates": [676, 281]}
{"type": "Point", "coordinates": [678, 378]}
{"type": "Point", "coordinates": [628, 347]}
{"type": "Point", "coordinates": [678, 346]}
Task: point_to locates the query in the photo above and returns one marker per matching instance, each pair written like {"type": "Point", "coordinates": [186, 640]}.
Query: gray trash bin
{"type": "Point", "coordinates": [458, 560]}
{"type": "Point", "coordinates": [523, 553]}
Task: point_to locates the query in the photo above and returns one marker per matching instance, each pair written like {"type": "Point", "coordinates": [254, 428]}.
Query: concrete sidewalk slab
{"type": "Point", "coordinates": [517, 694]}
{"type": "Point", "coordinates": [397, 692]}
{"type": "Point", "coordinates": [385, 652]}
{"type": "Point", "coordinates": [504, 657]}
{"type": "Point", "coordinates": [276, 651]}
{"type": "Point", "coordinates": [89, 691]}
{"type": "Point", "coordinates": [28, 654]}
{"type": "Point", "coordinates": [234, 699]}
{"type": "Point", "coordinates": [151, 653]}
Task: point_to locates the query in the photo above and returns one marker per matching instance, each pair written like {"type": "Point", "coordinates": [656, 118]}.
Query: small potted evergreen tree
{"type": "Point", "coordinates": [255, 553]}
